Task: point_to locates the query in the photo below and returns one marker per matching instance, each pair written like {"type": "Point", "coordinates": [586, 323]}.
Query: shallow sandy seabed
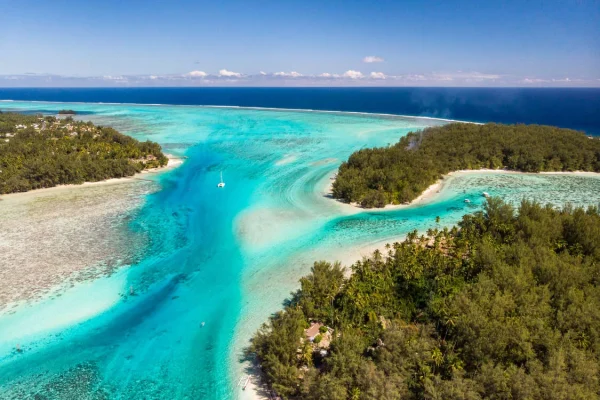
{"type": "Point", "coordinates": [57, 237]}
{"type": "Point", "coordinates": [52, 238]}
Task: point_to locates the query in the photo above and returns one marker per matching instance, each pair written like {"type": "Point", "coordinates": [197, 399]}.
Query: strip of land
{"type": "Point", "coordinates": [399, 174]}
{"type": "Point", "coordinates": [44, 151]}
{"type": "Point", "coordinates": [432, 192]}
{"type": "Point", "coordinates": [448, 304]}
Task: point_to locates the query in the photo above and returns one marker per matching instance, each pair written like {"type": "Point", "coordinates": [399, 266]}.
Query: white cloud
{"type": "Point", "coordinates": [373, 59]}
{"type": "Point", "coordinates": [349, 78]}
{"type": "Point", "coordinates": [292, 74]}
{"type": "Point", "coordinates": [197, 74]}
{"type": "Point", "coordinates": [377, 75]}
{"type": "Point", "coordinates": [114, 78]}
{"type": "Point", "coordinates": [353, 74]}
{"type": "Point", "coordinates": [466, 76]}
{"type": "Point", "coordinates": [328, 75]}
{"type": "Point", "coordinates": [533, 80]}
{"type": "Point", "coordinates": [414, 77]}
{"type": "Point", "coordinates": [477, 75]}
{"type": "Point", "coordinates": [225, 72]}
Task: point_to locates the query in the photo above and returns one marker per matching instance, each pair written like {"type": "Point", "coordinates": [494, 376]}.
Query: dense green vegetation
{"type": "Point", "coordinates": [40, 152]}
{"type": "Point", "coordinates": [70, 112]}
{"type": "Point", "coordinates": [399, 173]}
{"type": "Point", "coordinates": [504, 306]}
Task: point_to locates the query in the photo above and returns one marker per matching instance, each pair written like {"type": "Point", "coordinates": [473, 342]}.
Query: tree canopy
{"type": "Point", "coordinates": [398, 174]}
{"type": "Point", "coordinates": [40, 152]}
{"type": "Point", "coordinates": [504, 306]}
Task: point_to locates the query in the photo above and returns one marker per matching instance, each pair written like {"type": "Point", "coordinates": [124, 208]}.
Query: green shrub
{"type": "Point", "coordinates": [507, 306]}
{"type": "Point", "coordinates": [66, 152]}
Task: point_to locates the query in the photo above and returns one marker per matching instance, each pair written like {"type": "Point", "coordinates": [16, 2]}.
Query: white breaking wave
{"type": "Point", "coordinates": [248, 108]}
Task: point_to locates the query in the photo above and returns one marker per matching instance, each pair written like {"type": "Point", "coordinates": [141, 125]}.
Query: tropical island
{"type": "Point", "coordinates": [67, 112]}
{"type": "Point", "coordinates": [397, 174]}
{"type": "Point", "coordinates": [41, 152]}
{"type": "Point", "coordinates": [506, 305]}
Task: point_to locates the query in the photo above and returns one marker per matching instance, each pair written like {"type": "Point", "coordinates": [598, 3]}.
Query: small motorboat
{"type": "Point", "coordinates": [467, 201]}
{"type": "Point", "coordinates": [221, 184]}
{"type": "Point", "coordinates": [485, 194]}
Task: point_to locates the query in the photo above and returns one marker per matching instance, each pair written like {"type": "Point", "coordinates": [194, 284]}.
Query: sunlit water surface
{"type": "Point", "coordinates": [216, 262]}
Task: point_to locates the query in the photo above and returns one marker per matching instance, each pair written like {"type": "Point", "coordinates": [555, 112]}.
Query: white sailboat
{"type": "Point", "coordinates": [221, 184]}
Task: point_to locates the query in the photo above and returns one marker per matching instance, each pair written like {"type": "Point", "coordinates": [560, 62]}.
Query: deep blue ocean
{"type": "Point", "coordinates": [576, 108]}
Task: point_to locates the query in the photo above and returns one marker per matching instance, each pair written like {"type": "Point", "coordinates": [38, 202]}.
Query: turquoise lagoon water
{"type": "Point", "coordinates": [226, 257]}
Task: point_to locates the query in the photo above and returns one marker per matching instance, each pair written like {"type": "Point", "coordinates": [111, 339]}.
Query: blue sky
{"type": "Point", "coordinates": [289, 42]}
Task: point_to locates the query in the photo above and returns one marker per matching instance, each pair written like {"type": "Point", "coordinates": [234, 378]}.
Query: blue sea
{"type": "Point", "coordinates": [216, 262]}
{"type": "Point", "coordinates": [575, 108]}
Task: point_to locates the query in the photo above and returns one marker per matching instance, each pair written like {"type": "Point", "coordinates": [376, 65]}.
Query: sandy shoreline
{"type": "Point", "coordinates": [173, 162]}
{"type": "Point", "coordinates": [433, 190]}
{"type": "Point", "coordinates": [257, 389]}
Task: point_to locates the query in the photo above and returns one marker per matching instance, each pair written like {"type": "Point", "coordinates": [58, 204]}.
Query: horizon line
{"type": "Point", "coordinates": [298, 87]}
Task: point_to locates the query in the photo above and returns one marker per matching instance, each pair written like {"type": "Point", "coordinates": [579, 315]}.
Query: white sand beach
{"type": "Point", "coordinates": [172, 163]}
{"type": "Point", "coordinates": [433, 190]}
